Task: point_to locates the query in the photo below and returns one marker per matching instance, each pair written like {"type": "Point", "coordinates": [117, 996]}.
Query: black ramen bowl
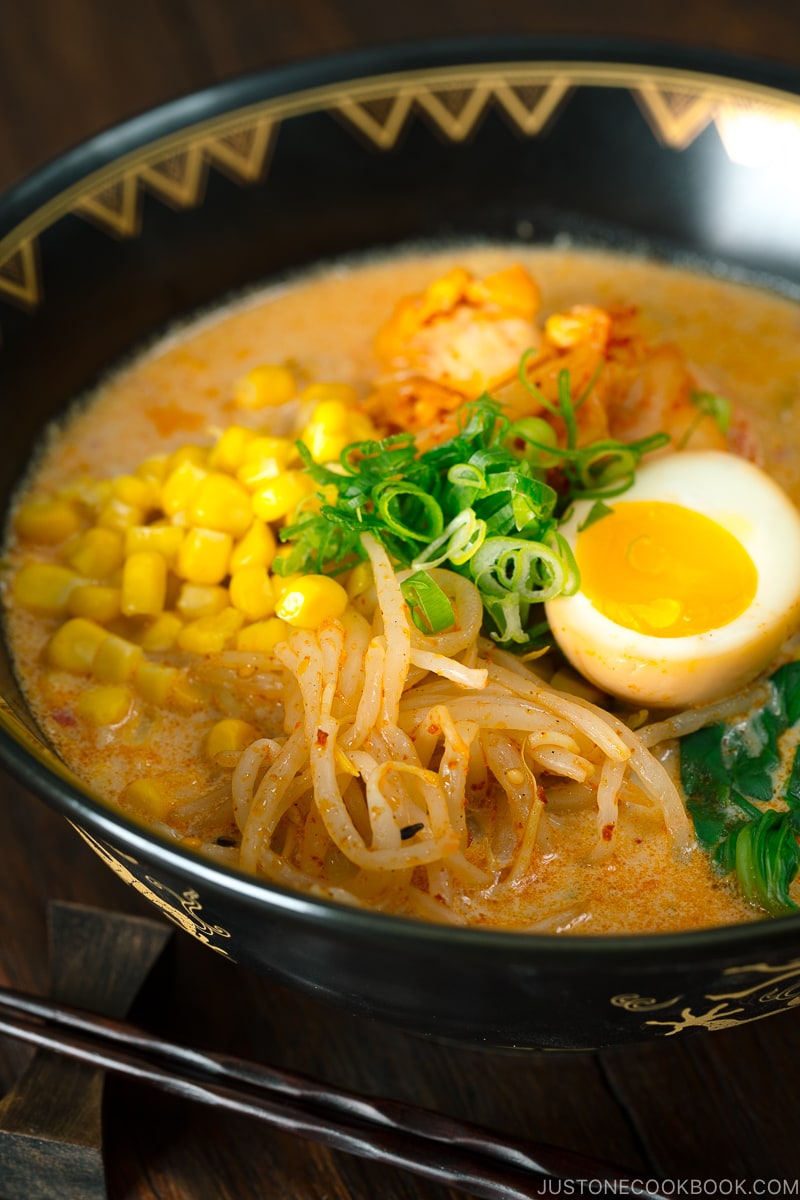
{"type": "Point", "coordinates": [679, 158]}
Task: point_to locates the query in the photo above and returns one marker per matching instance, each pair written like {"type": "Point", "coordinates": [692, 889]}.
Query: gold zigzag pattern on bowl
{"type": "Point", "coordinates": [677, 105]}
{"type": "Point", "coordinates": [179, 178]}
{"type": "Point", "coordinates": [455, 112]}
{"type": "Point", "coordinates": [19, 275]}
{"type": "Point", "coordinates": [676, 116]}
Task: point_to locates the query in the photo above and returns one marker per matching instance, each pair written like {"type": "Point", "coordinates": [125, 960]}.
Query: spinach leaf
{"type": "Point", "coordinates": [727, 772]}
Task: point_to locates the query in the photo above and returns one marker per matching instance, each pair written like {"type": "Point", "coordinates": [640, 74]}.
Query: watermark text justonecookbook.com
{"type": "Point", "coordinates": [670, 1187]}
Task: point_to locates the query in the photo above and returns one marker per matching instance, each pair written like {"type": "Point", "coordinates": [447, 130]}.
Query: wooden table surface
{"type": "Point", "coordinates": [717, 1107]}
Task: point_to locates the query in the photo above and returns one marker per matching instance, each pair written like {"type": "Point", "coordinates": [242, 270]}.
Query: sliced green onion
{"type": "Point", "coordinates": [606, 469]}
{"type": "Point", "coordinates": [468, 482]}
{"type": "Point", "coordinates": [590, 385]}
{"type": "Point", "coordinates": [476, 502]}
{"type": "Point", "coordinates": [708, 404]}
{"type": "Point", "coordinates": [567, 408]}
{"type": "Point", "coordinates": [431, 610]}
{"type": "Point", "coordinates": [429, 522]}
{"type": "Point", "coordinates": [532, 571]}
{"type": "Point", "coordinates": [522, 376]}
{"type": "Point", "coordinates": [457, 543]}
{"type": "Point", "coordinates": [596, 513]}
{"type": "Point", "coordinates": [526, 440]}
{"type": "Point", "coordinates": [714, 406]}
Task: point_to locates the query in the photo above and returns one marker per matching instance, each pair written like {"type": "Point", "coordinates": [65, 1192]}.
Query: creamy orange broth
{"type": "Point", "coordinates": [744, 343]}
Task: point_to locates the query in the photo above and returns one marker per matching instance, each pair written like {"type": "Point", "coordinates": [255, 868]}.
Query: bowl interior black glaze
{"type": "Point", "coordinates": [607, 145]}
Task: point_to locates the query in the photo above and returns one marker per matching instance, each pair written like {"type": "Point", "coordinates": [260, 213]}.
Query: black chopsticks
{"type": "Point", "coordinates": [461, 1155]}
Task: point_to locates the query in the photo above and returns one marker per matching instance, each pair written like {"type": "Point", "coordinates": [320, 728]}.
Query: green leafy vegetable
{"type": "Point", "coordinates": [727, 771]}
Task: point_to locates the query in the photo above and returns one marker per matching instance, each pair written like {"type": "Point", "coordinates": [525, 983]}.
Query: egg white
{"type": "Point", "coordinates": [674, 672]}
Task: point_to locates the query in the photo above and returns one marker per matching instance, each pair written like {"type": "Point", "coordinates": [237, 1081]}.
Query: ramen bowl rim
{"type": "Point", "coordinates": [27, 196]}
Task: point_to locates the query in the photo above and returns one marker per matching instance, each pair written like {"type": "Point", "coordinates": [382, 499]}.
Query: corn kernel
{"type": "Point", "coordinates": [332, 415]}
{"type": "Point", "coordinates": [97, 553]}
{"type": "Point", "coordinates": [159, 539]}
{"type": "Point", "coordinates": [283, 583]}
{"type": "Point", "coordinates": [186, 695]}
{"type": "Point", "coordinates": [327, 447]}
{"type": "Point", "coordinates": [229, 451]}
{"type": "Point", "coordinates": [333, 426]}
{"type": "Point", "coordinates": [264, 459]}
{"type": "Point", "coordinates": [44, 588]}
{"type": "Point", "coordinates": [221, 503]}
{"type": "Point", "coordinates": [144, 584]}
{"type": "Point", "coordinates": [262, 636]}
{"type": "Point", "coordinates": [566, 329]}
{"type": "Point", "coordinates": [511, 290]}
{"type": "Point", "coordinates": [161, 633]}
{"type": "Point", "coordinates": [211, 635]}
{"type": "Point", "coordinates": [190, 453]}
{"type": "Point", "coordinates": [155, 681]}
{"type": "Point", "coordinates": [256, 549]}
{"type": "Point", "coordinates": [95, 601]}
{"type": "Point", "coordinates": [266, 446]}
{"type": "Point", "coordinates": [47, 522]}
{"type": "Point", "coordinates": [204, 556]}
{"type": "Point", "coordinates": [149, 797]}
{"type": "Point", "coordinates": [106, 705]}
{"type": "Point", "coordinates": [201, 600]}
{"type": "Point", "coordinates": [324, 446]}
{"type": "Point", "coordinates": [278, 497]}
{"type": "Point", "coordinates": [360, 579]}
{"type": "Point", "coordinates": [310, 601]}
{"type": "Point", "coordinates": [137, 492]}
{"type": "Point", "coordinates": [265, 387]}
{"type": "Point", "coordinates": [229, 735]}
{"type": "Point", "coordinates": [154, 468]}
{"type": "Point", "coordinates": [258, 472]}
{"type": "Point", "coordinates": [74, 645]}
{"type": "Point", "coordinates": [251, 592]}
{"type": "Point", "coordinates": [180, 486]}
{"type": "Point", "coordinates": [116, 659]}
{"type": "Point", "coordinates": [89, 493]}
{"type": "Point", "coordinates": [115, 514]}
{"type": "Point", "coordinates": [342, 393]}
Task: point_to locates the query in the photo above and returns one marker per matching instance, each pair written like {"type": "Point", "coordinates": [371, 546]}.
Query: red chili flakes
{"type": "Point", "coordinates": [322, 737]}
{"type": "Point", "coordinates": [65, 718]}
{"type": "Point", "coordinates": [608, 832]}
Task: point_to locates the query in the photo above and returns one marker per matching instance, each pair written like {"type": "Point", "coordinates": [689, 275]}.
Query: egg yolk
{"type": "Point", "coordinates": [664, 570]}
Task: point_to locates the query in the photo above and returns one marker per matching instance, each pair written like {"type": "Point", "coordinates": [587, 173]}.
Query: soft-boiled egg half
{"type": "Point", "coordinates": [689, 586]}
